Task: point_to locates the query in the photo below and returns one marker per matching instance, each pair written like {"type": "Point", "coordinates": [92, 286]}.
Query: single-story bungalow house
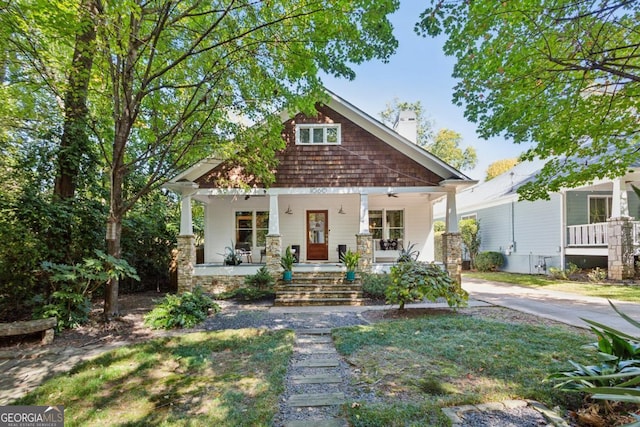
{"type": "Point", "coordinates": [589, 226]}
{"type": "Point", "coordinates": [345, 181]}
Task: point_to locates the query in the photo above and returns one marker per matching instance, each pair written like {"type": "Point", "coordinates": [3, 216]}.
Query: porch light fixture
{"type": "Point", "coordinates": [341, 211]}
{"type": "Point", "coordinates": [289, 211]}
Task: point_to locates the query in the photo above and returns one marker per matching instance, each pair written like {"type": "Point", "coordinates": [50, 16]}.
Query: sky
{"type": "Point", "coordinates": [419, 71]}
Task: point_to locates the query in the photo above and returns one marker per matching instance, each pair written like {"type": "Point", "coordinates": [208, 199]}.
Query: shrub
{"type": "Point", "coordinates": [470, 235]}
{"type": "Point", "coordinates": [261, 280]}
{"type": "Point", "coordinates": [408, 254]}
{"type": "Point", "coordinates": [181, 311]}
{"type": "Point", "coordinates": [415, 281]}
{"type": "Point", "coordinates": [489, 261]}
{"type": "Point", "coordinates": [616, 375]}
{"type": "Point", "coordinates": [597, 275]}
{"type": "Point", "coordinates": [374, 285]}
{"type": "Point", "coordinates": [73, 286]}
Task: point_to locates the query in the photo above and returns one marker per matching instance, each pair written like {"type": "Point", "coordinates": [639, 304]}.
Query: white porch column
{"type": "Point", "coordinates": [451, 220]}
{"type": "Point", "coordinates": [364, 213]}
{"type": "Point", "coordinates": [186, 219]}
{"type": "Point", "coordinates": [274, 216]}
{"type": "Point", "coordinates": [620, 202]}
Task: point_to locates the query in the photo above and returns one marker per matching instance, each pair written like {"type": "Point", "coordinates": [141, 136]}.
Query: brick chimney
{"type": "Point", "coordinates": [407, 125]}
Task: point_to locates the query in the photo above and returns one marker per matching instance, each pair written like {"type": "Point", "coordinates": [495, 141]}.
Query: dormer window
{"type": "Point", "coordinates": [318, 134]}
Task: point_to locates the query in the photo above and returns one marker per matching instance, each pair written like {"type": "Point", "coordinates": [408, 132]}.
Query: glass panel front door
{"type": "Point", "coordinates": [317, 236]}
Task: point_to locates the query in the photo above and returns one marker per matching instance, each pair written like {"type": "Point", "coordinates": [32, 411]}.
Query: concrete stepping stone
{"type": "Point", "coordinates": [316, 423]}
{"type": "Point", "coordinates": [314, 331]}
{"type": "Point", "coordinates": [316, 379]}
{"type": "Point", "coordinates": [316, 399]}
{"type": "Point", "coordinates": [314, 339]}
{"type": "Point", "coordinates": [317, 363]}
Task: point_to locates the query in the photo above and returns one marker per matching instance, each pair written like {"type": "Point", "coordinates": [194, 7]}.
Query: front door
{"type": "Point", "coordinates": [317, 236]}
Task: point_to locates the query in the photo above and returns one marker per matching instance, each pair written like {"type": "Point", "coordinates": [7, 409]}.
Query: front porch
{"type": "Point", "coordinates": [593, 239]}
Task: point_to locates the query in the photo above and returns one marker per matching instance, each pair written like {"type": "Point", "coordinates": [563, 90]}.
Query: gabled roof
{"type": "Point", "coordinates": [406, 157]}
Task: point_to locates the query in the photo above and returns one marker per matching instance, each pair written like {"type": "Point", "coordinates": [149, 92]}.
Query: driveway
{"type": "Point", "coordinates": [561, 306]}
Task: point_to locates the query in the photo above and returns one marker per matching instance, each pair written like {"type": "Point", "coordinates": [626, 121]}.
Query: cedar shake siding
{"type": "Point", "coordinates": [361, 160]}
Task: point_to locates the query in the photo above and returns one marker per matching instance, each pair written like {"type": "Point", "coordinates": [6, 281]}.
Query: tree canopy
{"type": "Point", "coordinates": [445, 143]}
{"type": "Point", "coordinates": [149, 87]}
{"type": "Point", "coordinates": [563, 74]}
{"type": "Point", "coordinates": [499, 167]}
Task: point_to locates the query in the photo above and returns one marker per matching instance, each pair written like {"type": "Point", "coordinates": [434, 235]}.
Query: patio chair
{"type": "Point", "coordinates": [244, 249]}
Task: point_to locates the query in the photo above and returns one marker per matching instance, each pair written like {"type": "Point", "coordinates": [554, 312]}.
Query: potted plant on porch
{"type": "Point", "coordinates": [350, 260]}
{"type": "Point", "coordinates": [286, 262]}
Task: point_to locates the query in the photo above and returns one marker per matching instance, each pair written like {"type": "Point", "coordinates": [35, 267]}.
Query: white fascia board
{"type": "Point", "coordinates": [197, 170]}
{"type": "Point", "coordinates": [393, 138]}
{"type": "Point", "coordinates": [280, 191]}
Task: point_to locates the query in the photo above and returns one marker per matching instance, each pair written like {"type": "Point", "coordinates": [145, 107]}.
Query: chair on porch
{"type": "Point", "coordinates": [244, 249]}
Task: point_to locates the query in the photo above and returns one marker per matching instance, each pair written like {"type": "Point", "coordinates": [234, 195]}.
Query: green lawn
{"type": "Point", "coordinates": [621, 292]}
{"type": "Point", "coordinates": [227, 378]}
{"type": "Point", "coordinates": [418, 366]}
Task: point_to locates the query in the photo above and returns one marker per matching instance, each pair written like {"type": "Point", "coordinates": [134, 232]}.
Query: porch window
{"type": "Point", "coordinates": [318, 134]}
{"type": "Point", "coordinates": [599, 208]}
{"type": "Point", "coordinates": [387, 225]}
{"type": "Point", "coordinates": [252, 227]}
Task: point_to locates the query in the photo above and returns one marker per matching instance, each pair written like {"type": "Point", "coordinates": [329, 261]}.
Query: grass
{"type": "Point", "coordinates": [420, 365]}
{"type": "Point", "coordinates": [609, 291]}
{"type": "Point", "coordinates": [225, 378]}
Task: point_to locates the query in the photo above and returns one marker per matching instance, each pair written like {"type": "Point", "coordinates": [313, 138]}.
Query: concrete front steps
{"type": "Point", "coordinates": [319, 289]}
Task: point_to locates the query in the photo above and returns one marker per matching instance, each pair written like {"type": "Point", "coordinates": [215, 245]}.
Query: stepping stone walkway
{"type": "Point", "coordinates": [314, 383]}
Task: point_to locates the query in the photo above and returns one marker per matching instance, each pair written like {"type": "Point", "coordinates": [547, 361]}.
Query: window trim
{"type": "Point", "coordinates": [608, 206]}
{"type": "Point", "coordinates": [386, 231]}
{"type": "Point", "coordinates": [254, 225]}
{"type": "Point", "coordinates": [324, 127]}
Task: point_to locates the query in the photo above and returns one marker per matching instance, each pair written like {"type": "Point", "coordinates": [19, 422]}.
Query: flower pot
{"type": "Point", "coordinates": [286, 275]}
{"type": "Point", "coordinates": [351, 276]}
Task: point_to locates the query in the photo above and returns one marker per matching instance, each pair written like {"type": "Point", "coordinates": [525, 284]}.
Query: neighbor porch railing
{"type": "Point", "coordinates": [587, 234]}
{"type": "Point", "coordinates": [595, 234]}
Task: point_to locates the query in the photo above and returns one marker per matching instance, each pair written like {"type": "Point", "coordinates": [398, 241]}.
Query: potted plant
{"type": "Point", "coordinates": [350, 260]}
{"type": "Point", "coordinates": [286, 262]}
{"type": "Point", "coordinates": [231, 256]}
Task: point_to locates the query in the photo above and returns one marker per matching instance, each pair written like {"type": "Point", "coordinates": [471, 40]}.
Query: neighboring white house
{"type": "Point", "coordinates": [344, 181]}
{"type": "Point", "coordinates": [573, 226]}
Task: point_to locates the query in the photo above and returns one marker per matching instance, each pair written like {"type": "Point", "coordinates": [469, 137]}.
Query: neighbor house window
{"type": "Point", "coordinates": [599, 208]}
{"type": "Point", "coordinates": [387, 225]}
{"type": "Point", "coordinates": [318, 134]}
{"type": "Point", "coordinates": [252, 227]}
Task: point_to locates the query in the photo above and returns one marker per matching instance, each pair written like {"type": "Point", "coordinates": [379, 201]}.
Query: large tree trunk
{"type": "Point", "coordinates": [74, 141]}
{"type": "Point", "coordinates": [114, 232]}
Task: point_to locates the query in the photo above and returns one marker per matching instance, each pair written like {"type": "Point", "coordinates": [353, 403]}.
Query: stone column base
{"type": "Point", "coordinates": [452, 255]}
{"type": "Point", "coordinates": [186, 261]}
{"type": "Point", "coordinates": [620, 244]}
{"type": "Point", "coordinates": [364, 242]}
{"type": "Point", "coordinates": [273, 253]}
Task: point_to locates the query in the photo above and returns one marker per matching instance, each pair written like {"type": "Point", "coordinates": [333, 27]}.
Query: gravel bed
{"type": "Point", "coordinates": [263, 319]}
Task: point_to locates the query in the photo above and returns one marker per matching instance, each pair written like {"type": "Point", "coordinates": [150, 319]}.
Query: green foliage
{"type": "Point", "coordinates": [616, 375]}
{"type": "Point", "coordinates": [445, 143]}
{"type": "Point", "coordinates": [439, 226]}
{"type": "Point", "coordinates": [520, 75]}
{"type": "Point", "coordinates": [470, 234]}
{"type": "Point", "coordinates": [408, 254]}
{"type": "Point", "coordinates": [261, 280]}
{"type": "Point", "coordinates": [74, 285]}
{"type": "Point", "coordinates": [351, 259]}
{"type": "Point", "coordinates": [375, 285]}
{"type": "Point", "coordinates": [181, 311]}
{"type": "Point", "coordinates": [597, 275]}
{"type": "Point", "coordinates": [489, 261]}
{"type": "Point", "coordinates": [415, 281]}
{"type": "Point", "coordinates": [287, 260]}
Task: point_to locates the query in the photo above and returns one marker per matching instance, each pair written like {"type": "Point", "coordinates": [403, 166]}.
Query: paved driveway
{"type": "Point", "coordinates": [560, 306]}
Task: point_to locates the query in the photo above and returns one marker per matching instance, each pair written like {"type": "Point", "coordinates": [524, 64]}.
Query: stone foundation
{"type": "Point", "coordinates": [452, 255]}
{"type": "Point", "coordinates": [620, 235]}
{"type": "Point", "coordinates": [273, 253]}
{"type": "Point", "coordinates": [186, 260]}
{"type": "Point", "coordinates": [218, 284]}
